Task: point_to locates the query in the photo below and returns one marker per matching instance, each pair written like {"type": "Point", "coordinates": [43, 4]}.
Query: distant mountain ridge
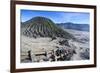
{"type": "Point", "coordinates": [81, 27]}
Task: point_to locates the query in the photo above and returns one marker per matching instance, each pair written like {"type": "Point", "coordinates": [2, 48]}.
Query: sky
{"type": "Point", "coordinates": [57, 17]}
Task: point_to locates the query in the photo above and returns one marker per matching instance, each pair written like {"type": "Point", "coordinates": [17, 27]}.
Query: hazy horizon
{"type": "Point", "coordinates": [57, 17]}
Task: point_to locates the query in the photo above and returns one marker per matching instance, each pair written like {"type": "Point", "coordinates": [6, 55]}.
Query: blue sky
{"type": "Point", "coordinates": [57, 17]}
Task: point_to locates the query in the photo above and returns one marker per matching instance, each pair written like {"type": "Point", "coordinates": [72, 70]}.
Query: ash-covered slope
{"type": "Point", "coordinates": [43, 27]}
